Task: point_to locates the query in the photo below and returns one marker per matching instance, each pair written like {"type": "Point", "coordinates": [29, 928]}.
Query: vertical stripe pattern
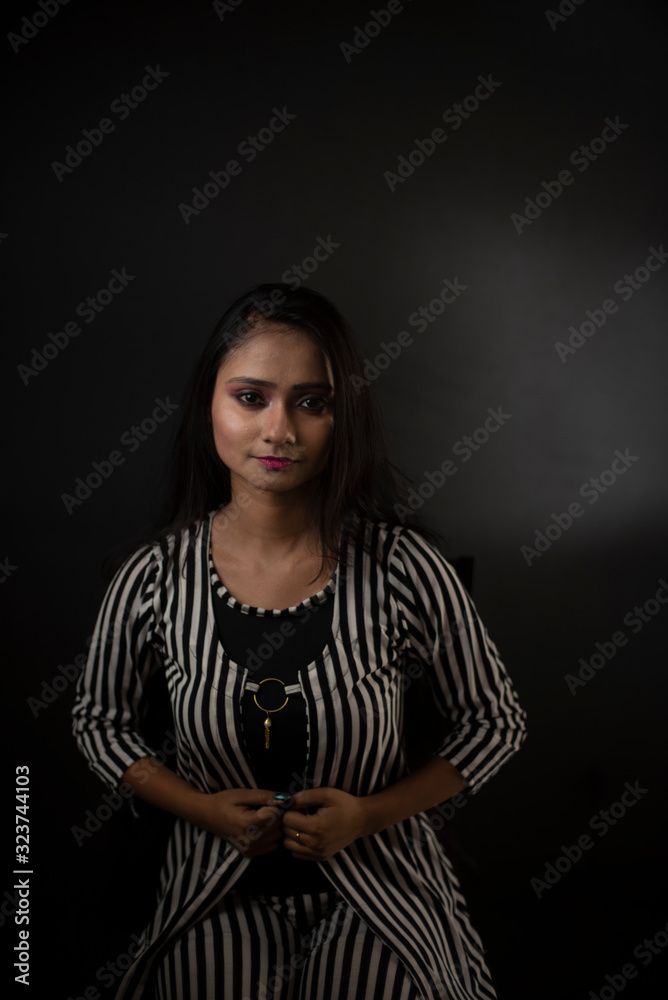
{"type": "Point", "coordinates": [400, 601]}
{"type": "Point", "coordinates": [307, 947]}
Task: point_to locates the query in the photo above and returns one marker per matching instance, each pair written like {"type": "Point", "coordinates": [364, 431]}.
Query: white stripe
{"type": "Point", "coordinates": [404, 605]}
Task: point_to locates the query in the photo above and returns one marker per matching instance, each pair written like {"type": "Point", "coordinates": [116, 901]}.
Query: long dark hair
{"type": "Point", "coordinates": [359, 480]}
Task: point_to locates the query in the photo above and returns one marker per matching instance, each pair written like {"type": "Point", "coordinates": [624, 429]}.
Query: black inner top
{"type": "Point", "coordinates": [271, 645]}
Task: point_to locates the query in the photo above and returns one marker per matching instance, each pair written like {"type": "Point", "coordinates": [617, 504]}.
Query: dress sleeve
{"type": "Point", "coordinates": [469, 683]}
{"type": "Point", "coordinates": [108, 700]}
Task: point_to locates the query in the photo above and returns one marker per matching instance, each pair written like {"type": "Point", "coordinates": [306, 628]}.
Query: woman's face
{"type": "Point", "coordinates": [274, 397]}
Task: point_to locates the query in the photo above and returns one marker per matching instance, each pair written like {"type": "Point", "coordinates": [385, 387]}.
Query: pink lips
{"type": "Point", "coordinates": [275, 463]}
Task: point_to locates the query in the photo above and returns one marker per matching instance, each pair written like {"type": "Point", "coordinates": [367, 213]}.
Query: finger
{"type": "Point", "coordinates": [268, 815]}
{"type": "Point", "coordinates": [308, 808]}
{"type": "Point", "coordinates": [283, 800]}
{"type": "Point", "coordinates": [298, 850]}
{"type": "Point", "coordinates": [267, 830]}
{"type": "Point", "coordinates": [297, 821]}
{"type": "Point", "coordinates": [298, 841]}
{"type": "Point", "coordinates": [312, 797]}
{"type": "Point", "coordinates": [253, 796]}
{"type": "Point", "coordinates": [259, 832]}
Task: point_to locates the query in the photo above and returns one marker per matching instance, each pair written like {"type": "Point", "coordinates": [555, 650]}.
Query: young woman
{"type": "Point", "coordinates": [288, 610]}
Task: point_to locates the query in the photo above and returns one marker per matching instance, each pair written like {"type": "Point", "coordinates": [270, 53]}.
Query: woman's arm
{"type": "Point", "coordinates": [155, 783]}
{"type": "Point", "coordinates": [341, 817]}
{"type": "Point", "coordinates": [426, 787]}
{"type": "Point", "coordinates": [484, 724]}
{"type": "Point", "coordinates": [107, 713]}
{"type": "Point", "coordinates": [120, 663]}
{"type": "Point", "coordinates": [239, 815]}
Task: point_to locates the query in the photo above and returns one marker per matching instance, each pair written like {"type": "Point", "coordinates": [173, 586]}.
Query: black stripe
{"type": "Point", "coordinates": [400, 601]}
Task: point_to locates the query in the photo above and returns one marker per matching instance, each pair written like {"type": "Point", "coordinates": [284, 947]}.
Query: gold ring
{"type": "Point", "coordinates": [296, 836]}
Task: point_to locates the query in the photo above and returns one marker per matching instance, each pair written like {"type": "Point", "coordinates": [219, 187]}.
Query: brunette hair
{"type": "Point", "coordinates": [359, 480]}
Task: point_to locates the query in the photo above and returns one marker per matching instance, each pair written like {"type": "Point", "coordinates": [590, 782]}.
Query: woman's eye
{"type": "Point", "coordinates": [319, 402]}
{"type": "Point", "coordinates": [240, 397]}
{"type": "Point", "coordinates": [316, 404]}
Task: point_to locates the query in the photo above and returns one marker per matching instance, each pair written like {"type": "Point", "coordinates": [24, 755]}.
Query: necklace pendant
{"type": "Point", "coordinates": [267, 730]}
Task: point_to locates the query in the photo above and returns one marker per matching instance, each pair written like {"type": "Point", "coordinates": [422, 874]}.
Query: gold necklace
{"type": "Point", "coordinates": [289, 689]}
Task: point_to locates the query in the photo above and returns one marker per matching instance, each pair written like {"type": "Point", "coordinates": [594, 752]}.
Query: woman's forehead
{"type": "Point", "coordinates": [278, 345]}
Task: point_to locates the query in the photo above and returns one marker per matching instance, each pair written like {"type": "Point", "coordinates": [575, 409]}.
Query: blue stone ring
{"type": "Point", "coordinates": [284, 799]}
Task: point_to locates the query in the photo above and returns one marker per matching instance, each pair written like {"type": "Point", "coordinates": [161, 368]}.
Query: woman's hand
{"type": "Point", "coordinates": [242, 817]}
{"type": "Point", "coordinates": [340, 819]}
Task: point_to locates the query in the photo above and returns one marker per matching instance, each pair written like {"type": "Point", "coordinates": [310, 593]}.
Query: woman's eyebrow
{"type": "Point", "coordinates": [272, 385]}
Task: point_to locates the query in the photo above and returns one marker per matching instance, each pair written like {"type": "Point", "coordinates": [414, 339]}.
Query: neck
{"type": "Point", "coordinates": [267, 523]}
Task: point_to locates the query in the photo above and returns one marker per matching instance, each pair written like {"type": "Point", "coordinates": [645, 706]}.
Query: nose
{"type": "Point", "coordinates": [278, 424]}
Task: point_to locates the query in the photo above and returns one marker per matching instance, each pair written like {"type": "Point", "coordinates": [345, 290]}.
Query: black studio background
{"type": "Point", "coordinates": [523, 286]}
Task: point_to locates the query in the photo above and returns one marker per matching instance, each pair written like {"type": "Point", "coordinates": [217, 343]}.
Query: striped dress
{"type": "Point", "coordinates": [396, 613]}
